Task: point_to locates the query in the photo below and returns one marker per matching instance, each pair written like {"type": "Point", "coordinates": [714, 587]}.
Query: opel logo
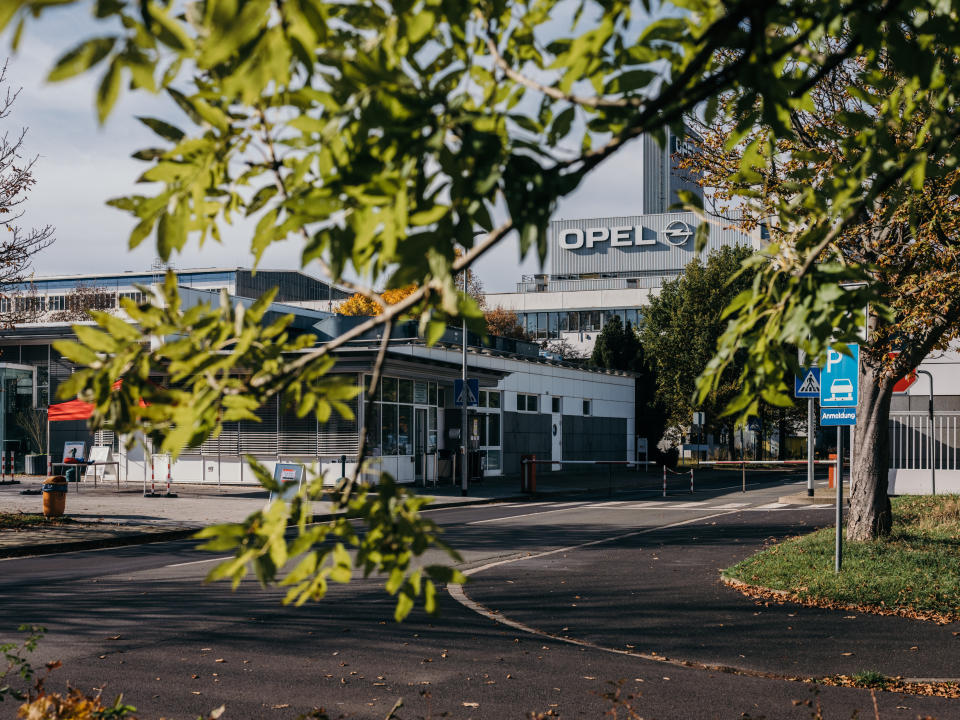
{"type": "Point", "coordinates": [677, 233]}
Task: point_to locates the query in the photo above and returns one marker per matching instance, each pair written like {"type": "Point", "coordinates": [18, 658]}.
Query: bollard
{"type": "Point", "coordinates": [691, 481]}
{"type": "Point", "coordinates": [343, 466]}
{"type": "Point", "coordinates": [664, 479]}
{"type": "Point", "coordinates": [153, 484]}
{"type": "Point", "coordinates": [169, 473]}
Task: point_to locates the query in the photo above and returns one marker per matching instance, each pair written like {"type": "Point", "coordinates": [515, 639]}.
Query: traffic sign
{"type": "Point", "coordinates": [699, 419]}
{"type": "Point", "coordinates": [838, 416]}
{"type": "Point", "coordinates": [840, 378]}
{"type": "Point", "coordinates": [754, 424]}
{"type": "Point", "coordinates": [901, 386]}
{"type": "Point", "coordinates": [473, 392]}
{"type": "Point", "coordinates": [807, 383]}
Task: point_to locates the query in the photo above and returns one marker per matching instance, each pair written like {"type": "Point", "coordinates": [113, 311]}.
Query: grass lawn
{"type": "Point", "coordinates": [915, 571]}
{"type": "Point", "coordinates": [29, 521]}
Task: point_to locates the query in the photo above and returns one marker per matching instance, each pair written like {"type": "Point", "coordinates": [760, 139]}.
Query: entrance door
{"type": "Point", "coordinates": [420, 443]}
{"type": "Point", "coordinates": [556, 447]}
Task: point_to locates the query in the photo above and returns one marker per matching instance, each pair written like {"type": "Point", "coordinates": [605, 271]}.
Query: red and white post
{"type": "Point", "coordinates": [153, 485]}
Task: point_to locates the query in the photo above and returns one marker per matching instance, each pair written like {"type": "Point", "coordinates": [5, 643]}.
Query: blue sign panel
{"type": "Point", "coordinates": [838, 416]}
{"type": "Point", "coordinates": [807, 383]}
{"type": "Point", "coordinates": [473, 392]}
{"type": "Point", "coordinates": [839, 379]}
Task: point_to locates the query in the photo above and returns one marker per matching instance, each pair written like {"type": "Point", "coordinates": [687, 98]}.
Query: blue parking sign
{"type": "Point", "coordinates": [840, 378]}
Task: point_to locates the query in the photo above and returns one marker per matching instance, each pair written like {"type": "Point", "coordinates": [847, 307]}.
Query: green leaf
{"type": "Point", "coordinates": [163, 129]}
{"type": "Point", "coordinates": [109, 91]}
{"type": "Point", "coordinates": [81, 58]}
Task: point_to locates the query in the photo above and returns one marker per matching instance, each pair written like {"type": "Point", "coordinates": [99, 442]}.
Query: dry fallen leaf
{"type": "Point", "coordinates": [280, 707]}
{"type": "Point", "coordinates": [220, 660]}
{"type": "Point", "coordinates": [471, 704]}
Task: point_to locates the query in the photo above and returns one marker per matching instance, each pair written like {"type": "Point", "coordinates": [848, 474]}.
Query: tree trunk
{"type": "Point", "coordinates": [870, 515]}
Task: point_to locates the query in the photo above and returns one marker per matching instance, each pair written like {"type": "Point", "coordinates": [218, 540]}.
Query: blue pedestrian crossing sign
{"type": "Point", "coordinates": [472, 394]}
{"type": "Point", "coordinates": [807, 383]}
{"type": "Point", "coordinates": [840, 378]}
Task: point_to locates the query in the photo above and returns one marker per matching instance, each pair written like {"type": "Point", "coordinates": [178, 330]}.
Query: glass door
{"type": "Point", "coordinates": [420, 443]}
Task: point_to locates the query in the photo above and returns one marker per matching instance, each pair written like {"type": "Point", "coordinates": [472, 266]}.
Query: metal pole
{"type": "Point", "coordinates": [743, 464]}
{"type": "Point", "coordinates": [932, 453]}
{"type": "Point", "coordinates": [664, 479]}
{"type": "Point", "coordinates": [838, 543]}
{"type": "Point", "coordinates": [463, 398]}
{"type": "Point", "coordinates": [810, 447]}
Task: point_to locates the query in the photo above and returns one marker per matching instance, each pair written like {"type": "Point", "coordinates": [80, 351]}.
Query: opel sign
{"type": "Point", "coordinates": [676, 233]}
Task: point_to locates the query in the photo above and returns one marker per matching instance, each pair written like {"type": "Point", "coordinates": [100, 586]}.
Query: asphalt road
{"type": "Point", "coordinates": [592, 593]}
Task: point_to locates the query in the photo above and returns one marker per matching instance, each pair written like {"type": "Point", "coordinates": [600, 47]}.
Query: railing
{"type": "Point", "coordinates": [84, 465]}
{"type": "Point", "coordinates": [910, 447]}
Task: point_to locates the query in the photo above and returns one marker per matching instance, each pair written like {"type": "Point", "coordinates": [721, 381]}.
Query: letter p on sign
{"type": "Point", "coordinates": [833, 357]}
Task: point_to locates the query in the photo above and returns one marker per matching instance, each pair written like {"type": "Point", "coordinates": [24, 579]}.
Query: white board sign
{"type": "Point", "coordinates": [100, 454]}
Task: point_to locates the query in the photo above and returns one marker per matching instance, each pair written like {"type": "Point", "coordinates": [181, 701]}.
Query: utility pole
{"type": "Point", "coordinates": [463, 399]}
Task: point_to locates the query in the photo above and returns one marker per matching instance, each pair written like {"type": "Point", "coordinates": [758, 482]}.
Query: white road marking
{"type": "Point", "coordinates": [513, 517]}
{"type": "Point", "coordinates": [197, 562]}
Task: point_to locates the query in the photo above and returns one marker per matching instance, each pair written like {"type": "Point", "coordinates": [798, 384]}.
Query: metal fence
{"type": "Point", "coordinates": [910, 446]}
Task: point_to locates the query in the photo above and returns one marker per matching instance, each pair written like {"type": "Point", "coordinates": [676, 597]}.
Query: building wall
{"type": "Point", "coordinates": [524, 434]}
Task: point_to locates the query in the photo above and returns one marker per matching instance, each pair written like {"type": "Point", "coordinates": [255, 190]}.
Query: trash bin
{"type": "Point", "coordinates": [54, 496]}
{"type": "Point", "coordinates": [476, 466]}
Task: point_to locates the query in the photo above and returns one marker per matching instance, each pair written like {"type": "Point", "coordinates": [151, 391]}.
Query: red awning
{"type": "Point", "coordinates": [70, 410]}
{"type": "Point", "coordinates": [76, 409]}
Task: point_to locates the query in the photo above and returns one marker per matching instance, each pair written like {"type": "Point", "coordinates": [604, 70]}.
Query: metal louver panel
{"type": "Point", "coordinates": [105, 437]}
{"type": "Point", "coordinates": [225, 444]}
{"type": "Point", "coordinates": [260, 438]}
{"type": "Point", "coordinates": [298, 435]}
{"type": "Point", "coordinates": [339, 436]}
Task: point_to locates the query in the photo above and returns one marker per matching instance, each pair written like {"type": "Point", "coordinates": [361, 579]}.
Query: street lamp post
{"type": "Point", "coordinates": [463, 399]}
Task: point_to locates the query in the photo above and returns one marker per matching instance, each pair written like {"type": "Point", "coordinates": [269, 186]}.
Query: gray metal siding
{"type": "Point", "coordinates": [659, 257]}
{"type": "Point", "coordinates": [524, 434]}
{"type": "Point", "coordinates": [594, 438]}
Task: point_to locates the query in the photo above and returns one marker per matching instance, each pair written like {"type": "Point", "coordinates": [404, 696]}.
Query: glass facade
{"type": "Point", "coordinates": [546, 325]}
{"type": "Point", "coordinates": [391, 425]}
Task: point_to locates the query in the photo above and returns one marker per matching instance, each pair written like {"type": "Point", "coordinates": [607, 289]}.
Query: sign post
{"type": "Point", "coordinates": [807, 385]}
{"type": "Point", "coordinates": [839, 393]}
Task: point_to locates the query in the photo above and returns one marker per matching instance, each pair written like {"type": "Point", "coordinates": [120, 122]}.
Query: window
{"type": "Point", "coordinates": [555, 404]}
{"type": "Point", "coordinates": [541, 325]}
{"type": "Point", "coordinates": [574, 320]}
{"type": "Point", "coordinates": [493, 396]}
{"type": "Point", "coordinates": [553, 329]}
{"type": "Point", "coordinates": [406, 391]}
{"type": "Point", "coordinates": [55, 302]}
{"type": "Point", "coordinates": [526, 403]}
{"type": "Point", "coordinates": [586, 408]}
{"type": "Point", "coordinates": [389, 389]}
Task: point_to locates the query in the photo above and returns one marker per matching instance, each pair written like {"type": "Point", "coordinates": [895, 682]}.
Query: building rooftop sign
{"type": "Point", "coordinates": [644, 244]}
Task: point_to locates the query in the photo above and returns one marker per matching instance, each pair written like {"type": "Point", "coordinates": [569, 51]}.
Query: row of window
{"type": "Point", "coordinates": [404, 390]}
{"type": "Point", "coordinates": [551, 324]}
{"type": "Point", "coordinates": [530, 403]}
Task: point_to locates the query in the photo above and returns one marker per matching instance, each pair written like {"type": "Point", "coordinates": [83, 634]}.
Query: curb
{"type": "Point", "coordinates": [147, 538]}
{"type": "Point", "coordinates": [133, 538]}
{"type": "Point", "coordinates": [140, 538]}
{"type": "Point", "coordinates": [759, 592]}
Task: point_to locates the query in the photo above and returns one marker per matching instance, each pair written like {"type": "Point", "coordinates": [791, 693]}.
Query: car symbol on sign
{"type": "Point", "coordinates": [841, 389]}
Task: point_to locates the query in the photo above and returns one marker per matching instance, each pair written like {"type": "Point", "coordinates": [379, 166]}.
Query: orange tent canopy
{"type": "Point", "coordinates": [70, 410]}
{"type": "Point", "coordinates": [76, 409]}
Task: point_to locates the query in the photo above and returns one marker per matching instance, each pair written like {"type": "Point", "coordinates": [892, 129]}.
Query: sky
{"type": "Point", "coordinates": [80, 165]}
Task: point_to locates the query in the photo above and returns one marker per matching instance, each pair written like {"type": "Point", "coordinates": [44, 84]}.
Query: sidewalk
{"type": "Point", "coordinates": [104, 516]}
